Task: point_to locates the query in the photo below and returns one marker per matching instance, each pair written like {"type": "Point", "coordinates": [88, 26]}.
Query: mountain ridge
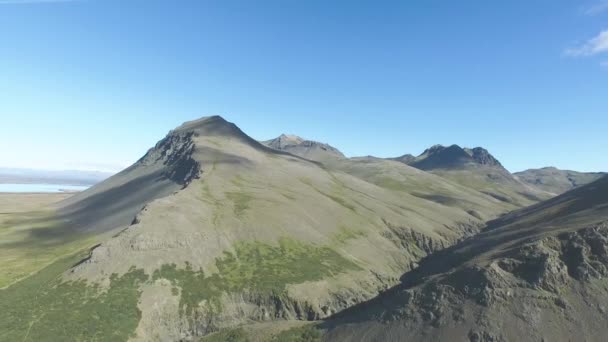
{"type": "Point", "coordinates": [555, 180]}
{"type": "Point", "coordinates": [212, 229]}
{"type": "Point", "coordinates": [264, 233]}
{"type": "Point", "coordinates": [545, 264]}
{"type": "Point", "coordinates": [309, 149]}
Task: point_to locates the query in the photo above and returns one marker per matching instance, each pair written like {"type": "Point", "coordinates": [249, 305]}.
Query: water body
{"type": "Point", "coordinates": [41, 188]}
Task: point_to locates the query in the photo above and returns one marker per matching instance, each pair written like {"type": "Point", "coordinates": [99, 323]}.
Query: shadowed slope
{"type": "Point", "coordinates": [535, 274]}
{"type": "Point", "coordinates": [114, 203]}
{"type": "Point", "coordinates": [232, 231]}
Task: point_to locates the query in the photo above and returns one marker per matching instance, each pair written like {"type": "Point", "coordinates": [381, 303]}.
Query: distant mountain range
{"type": "Point", "coordinates": [557, 181]}
{"type": "Point", "coordinates": [214, 235]}
{"type": "Point", "coordinates": [63, 177]}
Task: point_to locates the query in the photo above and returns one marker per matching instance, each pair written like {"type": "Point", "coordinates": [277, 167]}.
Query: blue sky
{"type": "Point", "coordinates": [93, 84]}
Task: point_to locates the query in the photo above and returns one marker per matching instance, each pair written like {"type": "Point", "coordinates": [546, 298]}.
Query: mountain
{"type": "Point", "coordinates": [283, 141]}
{"type": "Point", "coordinates": [555, 180]}
{"type": "Point", "coordinates": [478, 169]}
{"type": "Point", "coordinates": [212, 229]}
{"type": "Point", "coordinates": [536, 274]}
{"type": "Point", "coordinates": [312, 150]}
{"type": "Point", "coordinates": [64, 177]}
{"type": "Point", "coordinates": [453, 157]}
{"type": "Point", "coordinates": [405, 159]}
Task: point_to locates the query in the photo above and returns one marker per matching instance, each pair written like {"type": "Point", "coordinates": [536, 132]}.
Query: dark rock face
{"type": "Point", "coordinates": [488, 301]}
{"type": "Point", "coordinates": [175, 152]}
{"type": "Point", "coordinates": [586, 252]}
{"type": "Point", "coordinates": [442, 157]}
{"type": "Point", "coordinates": [548, 264]}
{"type": "Point", "coordinates": [483, 157]}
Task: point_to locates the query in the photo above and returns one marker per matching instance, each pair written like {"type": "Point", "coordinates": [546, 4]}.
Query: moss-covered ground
{"type": "Point", "coordinates": [32, 240]}
{"type": "Point", "coordinates": [307, 333]}
{"type": "Point", "coordinates": [44, 308]}
{"type": "Point", "coordinates": [228, 335]}
{"type": "Point", "coordinates": [255, 267]}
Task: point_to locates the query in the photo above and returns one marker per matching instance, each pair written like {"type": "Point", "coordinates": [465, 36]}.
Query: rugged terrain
{"type": "Point", "coordinates": [212, 229]}
{"type": "Point", "coordinates": [555, 180]}
{"type": "Point", "coordinates": [537, 274]}
{"type": "Point", "coordinates": [478, 169]}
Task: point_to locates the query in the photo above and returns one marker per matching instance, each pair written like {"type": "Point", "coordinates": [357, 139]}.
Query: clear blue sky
{"type": "Point", "coordinates": [93, 84]}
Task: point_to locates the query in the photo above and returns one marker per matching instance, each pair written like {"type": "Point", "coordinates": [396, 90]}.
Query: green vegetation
{"type": "Point", "coordinates": [44, 308]}
{"type": "Point", "coordinates": [195, 287]}
{"type": "Point", "coordinates": [241, 201]}
{"type": "Point", "coordinates": [266, 268]}
{"type": "Point", "coordinates": [229, 335]}
{"type": "Point", "coordinates": [345, 234]}
{"type": "Point", "coordinates": [392, 184]}
{"type": "Point", "coordinates": [257, 267]}
{"type": "Point", "coordinates": [32, 240]}
{"type": "Point", "coordinates": [334, 197]}
{"type": "Point", "coordinates": [307, 333]}
{"type": "Point", "coordinates": [238, 181]}
{"type": "Point", "coordinates": [339, 200]}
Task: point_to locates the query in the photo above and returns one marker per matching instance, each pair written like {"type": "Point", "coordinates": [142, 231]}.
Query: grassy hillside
{"type": "Point", "coordinates": [477, 169]}
{"type": "Point", "coordinates": [535, 274]}
{"type": "Point", "coordinates": [32, 236]}
{"type": "Point", "coordinates": [557, 181]}
{"type": "Point", "coordinates": [211, 230]}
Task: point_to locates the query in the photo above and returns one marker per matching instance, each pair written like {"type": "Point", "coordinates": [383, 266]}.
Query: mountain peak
{"type": "Point", "coordinates": [405, 159]}
{"type": "Point", "coordinates": [308, 149]}
{"type": "Point", "coordinates": [440, 156]}
{"type": "Point", "coordinates": [556, 181]}
{"type": "Point", "coordinates": [208, 124]}
{"type": "Point", "coordinates": [482, 156]}
{"type": "Point", "coordinates": [215, 126]}
{"type": "Point", "coordinates": [284, 140]}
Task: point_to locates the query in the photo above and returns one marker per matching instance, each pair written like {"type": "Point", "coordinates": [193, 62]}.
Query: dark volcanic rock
{"type": "Point", "coordinates": [442, 157]}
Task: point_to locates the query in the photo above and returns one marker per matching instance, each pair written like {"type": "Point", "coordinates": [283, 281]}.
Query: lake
{"type": "Point", "coordinates": [41, 188]}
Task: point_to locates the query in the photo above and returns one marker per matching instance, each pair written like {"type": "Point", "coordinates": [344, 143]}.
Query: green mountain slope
{"type": "Point", "coordinates": [477, 169]}
{"type": "Point", "coordinates": [212, 229]}
{"type": "Point", "coordinates": [557, 181]}
{"type": "Point", "coordinates": [536, 274]}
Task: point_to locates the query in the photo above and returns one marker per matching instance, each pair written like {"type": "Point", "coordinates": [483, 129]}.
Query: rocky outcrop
{"type": "Point", "coordinates": [175, 153]}
{"type": "Point", "coordinates": [309, 149]}
{"type": "Point", "coordinates": [483, 157]}
{"type": "Point", "coordinates": [420, 245]}
{"type": "Point", "coordinates": [537, 273]}
{"type": "Point", "coordinates": [447, 157]}
{"type": "Point", "coordinates": [548, 264]}
{"type": "Point", "coordinates": [284, 140]}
